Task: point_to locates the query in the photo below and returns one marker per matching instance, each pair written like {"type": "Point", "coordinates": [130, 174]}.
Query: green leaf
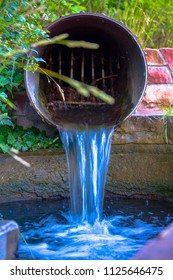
{"type": "Point", "coordinates": [10, 139]}
{"type": "Point", "coordinates": [22, 19]}
{"type": "Point", "coordinates": [4, 147]}
{"type": "Point", "coordinates": [3, 81]}
{"type": "Point", "coordinates": [51, 41]}
{"type": "Point", "coordinates": [101, 94]}
{"type": "Point", "coordinates": [8, 87]}
{"type": "Point", "coordinates": [4, 130]}
{"type": "Point", "coordinates": [79, 44]}
{"type": "Point", "coordinates": [18, 78]}
{"type": "Point", "coordinates": [5, 120]}
{"type": "Point", "coordinates": [3, 97]}
{"type": "Point", "coordinates": [82, 88]}
{"type": "Point", "coordinates": [2, 139]}
{"type": "Point", "coordinates": [24, 147]}
{"type": "Point", "coordinates": [10, 104]}
{"type": "Point", "coordinates": [39, 59]}
{"type": "Point", "coordinates": [29, 144]}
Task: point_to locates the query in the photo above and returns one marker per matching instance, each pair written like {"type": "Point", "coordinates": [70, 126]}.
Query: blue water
{"type": "Point", "coordinates": [87, 153]}
{"type": "Point", "coordinates": [48, 232]}
{"type": "Point", "coordinates": [82, 228]}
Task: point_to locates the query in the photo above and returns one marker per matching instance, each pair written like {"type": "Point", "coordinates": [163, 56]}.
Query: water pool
{"type": "Point", "coordinates": [47, 231]}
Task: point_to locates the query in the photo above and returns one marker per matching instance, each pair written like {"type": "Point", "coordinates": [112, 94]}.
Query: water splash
{"type": "Point", "coordinates": [87, 153]}
{"type": "Point", "coordinates": [48, 233]}
{"type": "Point", "coordinates": [116, 237]}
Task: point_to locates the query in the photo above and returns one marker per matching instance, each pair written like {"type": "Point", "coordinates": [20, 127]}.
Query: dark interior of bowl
{"type": "Point", "coordinates": [117, 67]}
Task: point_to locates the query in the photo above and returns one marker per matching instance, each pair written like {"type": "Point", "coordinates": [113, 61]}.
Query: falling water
{"type": "Point", "coordinates": [87, 153]}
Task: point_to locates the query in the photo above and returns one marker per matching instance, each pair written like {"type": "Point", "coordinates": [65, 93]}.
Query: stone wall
{"type": "Point", "coordinates": [141, 160]}
{"type": "Point", "coordinates": [140, 171]}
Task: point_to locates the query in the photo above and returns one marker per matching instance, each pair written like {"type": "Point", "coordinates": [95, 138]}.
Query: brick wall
{"type": "Point", "coordinates": [159, 90]}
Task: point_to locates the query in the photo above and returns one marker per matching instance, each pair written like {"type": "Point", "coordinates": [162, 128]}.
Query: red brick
{"type": "Point", "coordinates": [159, 75]}
{"type": "Point", "coordinates": [158, 94]}
{"type": "Point", "coordinates": [153, 57]}
{"type": "Point", "coordinates": [168, 55]}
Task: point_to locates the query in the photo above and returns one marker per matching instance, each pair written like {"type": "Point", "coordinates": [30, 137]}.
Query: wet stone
{"type": "Point", "coordinates": [9, 239]}
{"type": "Point", "coordinates": [160, 248]}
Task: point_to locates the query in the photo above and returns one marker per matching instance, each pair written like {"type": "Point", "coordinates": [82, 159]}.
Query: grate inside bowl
{"type": "Point", "coordinates": [118, 68]}
{"type": "Point", "coordinates": [98, 68]}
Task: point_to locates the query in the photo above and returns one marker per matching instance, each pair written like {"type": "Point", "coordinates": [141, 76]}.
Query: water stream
{"type": "Point", "coordinates": [86, 229]}
{"type": "Point", "coordinates": [87, 153]}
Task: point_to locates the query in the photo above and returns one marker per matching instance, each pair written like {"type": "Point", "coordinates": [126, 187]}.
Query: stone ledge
{"type": "Point", "coordinates": [141, 171]}
{"type": "Point", "coordinates": [140, 130]}
{"type": "Point", "coordinates": [135, 170]}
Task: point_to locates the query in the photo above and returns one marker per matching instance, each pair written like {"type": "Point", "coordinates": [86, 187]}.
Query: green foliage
{"type": "Point", "coordinates": [167, 110]}
{"type": "Point", "coordinates": [151, 21]}
{"type": "Point", "coordinates": [4, 117]}
{"type": "Point", "coordinates": [19, 27]}
{"type": "Point", "coordinates": [11, 78]}
{"type": "Point", "coordinates": [30, 139]}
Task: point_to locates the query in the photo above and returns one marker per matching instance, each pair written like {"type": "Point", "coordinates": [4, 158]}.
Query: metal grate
{"type": "Point", "coordinates": [93, 67]}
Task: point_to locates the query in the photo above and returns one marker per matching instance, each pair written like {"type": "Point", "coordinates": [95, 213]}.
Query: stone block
{"type": "Point", "coordinates": [168, 56]}
{"type": "Point", "coordinates": [9, 239]}
{"type": "Point", "coordinates": [141, 171]}
{"type": "Point", "coordinates": [170, 129]}
{"type": "Point", "coordinates": [159, 75]}
{"type": "Point", "coordinates": [26, 116]}
{"type": "Point", "coordinates": [140, 130]}
{"type": "Point", "coordinates": [46, 178]}
{"type": "Point", "coordinates": [154, 57]}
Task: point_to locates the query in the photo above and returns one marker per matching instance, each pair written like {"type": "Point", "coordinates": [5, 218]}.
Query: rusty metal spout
{"type": "Point", "coordinates": [118, 67]}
